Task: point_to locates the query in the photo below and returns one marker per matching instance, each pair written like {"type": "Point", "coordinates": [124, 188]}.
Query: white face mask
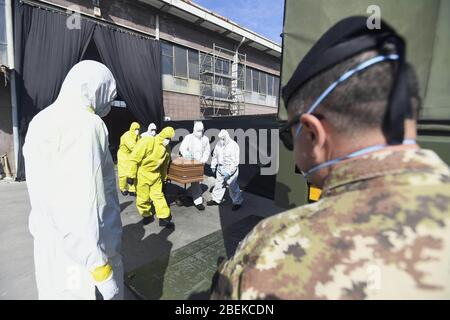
{"type": "Point", "coordinates": [153, 133]}
{"type": "Point", "coordinates": [222, 142]}
{"type": "Point", "coordinates": [198, 134]}
{"type": "Point", "coordinates": [166, 142]}
{"type": "Point", "coordinates": [137, 132]}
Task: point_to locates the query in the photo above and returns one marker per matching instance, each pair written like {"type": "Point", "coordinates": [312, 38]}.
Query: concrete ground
{"type": "Point", "coordinates": [17, 280]}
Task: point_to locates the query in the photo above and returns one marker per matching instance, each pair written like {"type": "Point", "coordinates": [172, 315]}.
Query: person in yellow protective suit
{"type": "Point", "coordinates": [127, 142]}
{"type": "Point", "coordinates": [149, 162]}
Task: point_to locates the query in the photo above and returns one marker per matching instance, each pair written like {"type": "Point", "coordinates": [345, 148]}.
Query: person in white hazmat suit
{"type": "Point", "coordinates": [225, 164]}
{"type": "Point", "coordinates": [75, 213]}
{"type": "Point", "coordinates": [196, 146]}
{"type": "Point", "coordinates": [151, 131]}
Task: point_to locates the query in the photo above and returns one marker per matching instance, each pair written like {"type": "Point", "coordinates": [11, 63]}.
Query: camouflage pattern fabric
{"type": "Point", "coordinates": [380, 231]}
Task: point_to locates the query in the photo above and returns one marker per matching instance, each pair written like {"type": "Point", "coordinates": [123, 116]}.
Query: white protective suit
{"type": "Point", "coordinates": [196, 146]}
{"type": "Point", "coordinates": [225, 161]}
{"type": "Point", "coordinates": [151, 131]}
{"type": "Point", "coordinates": [75, 213]}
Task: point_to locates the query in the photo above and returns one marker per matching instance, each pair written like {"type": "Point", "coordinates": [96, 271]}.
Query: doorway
{"type": "Point", "coordinates": [120, 118]}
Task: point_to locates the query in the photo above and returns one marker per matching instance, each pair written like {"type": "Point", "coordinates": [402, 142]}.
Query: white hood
{"type": "Point", "coordinates": [90, 85]}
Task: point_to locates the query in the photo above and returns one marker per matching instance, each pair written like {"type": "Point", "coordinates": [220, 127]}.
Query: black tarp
{"type": "Point", "coordinates": [135, 63]}
{"type": "Point", "coordinates": [265, 127]}
{"type": "Point", "coordinates": [46, 48]}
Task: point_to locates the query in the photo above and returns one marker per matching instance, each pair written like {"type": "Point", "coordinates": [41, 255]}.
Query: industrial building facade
{"type": "Point", "coordinates": [210, 66]}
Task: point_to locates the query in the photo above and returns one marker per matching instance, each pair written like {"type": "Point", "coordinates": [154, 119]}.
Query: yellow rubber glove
{"type": "Point", "coordinates": [102, 273]}
{"type": "Point", "coordinates": [105, 282]}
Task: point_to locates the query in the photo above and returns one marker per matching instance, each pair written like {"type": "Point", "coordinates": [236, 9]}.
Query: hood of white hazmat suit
{"type": "Point", "coordinates": [151, 131]}
{"type": "Point", "coordinates": [75, 213]}
{"type": "Point", "coordinates": [198, 129]}
{"type": "Point", "coordinates": [224, 137]}
{"type": "Point", "coordinates": [89, 85]}
{"type": "Point", "coordinates": [225, 156]}
{"type": "Point", "coordinates": [196, 145]}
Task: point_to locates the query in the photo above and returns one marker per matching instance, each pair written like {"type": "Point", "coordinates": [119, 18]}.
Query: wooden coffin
{"type": "Point", "coordinates": [185, 171]}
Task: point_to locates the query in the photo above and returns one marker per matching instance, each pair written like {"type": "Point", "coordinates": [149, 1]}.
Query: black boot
{"type": "Point", "coordinates": [124, 193]}
{"type": "Point", "coordinates": [212, 203]}
{"type": "Point", "coordinates": [166, 222]}
{"type": "Point", "coordinates": [147, 220]}
{"type": "Point", "coordinates": [133, 194]}
{"type": "Point", "coordinates": [200, 207]}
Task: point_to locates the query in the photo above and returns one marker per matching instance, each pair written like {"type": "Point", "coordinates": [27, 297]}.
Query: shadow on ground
{"type": "Point", "coordinates": [156, 244]}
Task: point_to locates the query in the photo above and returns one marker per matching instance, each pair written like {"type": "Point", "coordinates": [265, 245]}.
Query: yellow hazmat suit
{"type": "Point", "coordinates": [149, 162]}
{"type": "Point", "coordinates": [127, 142]}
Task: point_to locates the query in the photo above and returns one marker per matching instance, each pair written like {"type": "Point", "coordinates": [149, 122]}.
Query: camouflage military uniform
{"type": "Point", "coordinates": [380, 231]}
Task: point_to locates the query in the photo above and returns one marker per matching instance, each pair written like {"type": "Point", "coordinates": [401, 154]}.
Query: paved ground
{"type": "Point", "coordinates": [141, 244]}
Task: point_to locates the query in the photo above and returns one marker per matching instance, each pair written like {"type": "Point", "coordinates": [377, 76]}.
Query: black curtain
{"type": "Point", "coordinates": [45, 50]}
{"type": "Point", "coordinates": [136, 65]}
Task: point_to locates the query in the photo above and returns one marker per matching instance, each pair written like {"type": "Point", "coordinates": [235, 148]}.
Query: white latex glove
{"type": "Point", "coordinates": [108, 288]}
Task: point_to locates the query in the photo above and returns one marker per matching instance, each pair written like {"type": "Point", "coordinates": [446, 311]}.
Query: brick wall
{"type": "Point", "coordinates": [258, 109]}
{"type": "Point", "coordinates": [180, 106]}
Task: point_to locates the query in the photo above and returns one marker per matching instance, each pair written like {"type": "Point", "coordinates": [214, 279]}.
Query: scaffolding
{"type": "Point", "coordinates": [222, 79]}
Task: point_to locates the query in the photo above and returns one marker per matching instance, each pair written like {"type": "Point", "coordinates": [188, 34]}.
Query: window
{"type": "Point", "coordinates": [223, 87]}
{"type": "Point", "coordinates": [263, 83]}
{"type": "Point", "coordinates": [180, 65]}
{"type": "Point", "coordinates": [207, 84]}
{"type": "Point", "coordinates": [205, 62]}
{"type": "Point", "coordinates": [270, 85]}
{"type": "Point", "coordinates": [222, 66]}
{"type": "Point", "coordinates": [255, 78]}
{"type": "Point", "coordinates": [193, 64]}
{"type": "Point", "coordinates": [248, 79]}
{"type": "Point", "coordinates": [226, 67]}
{"type": "Point", "coordinates": [167, 58]}
{"type": "Point", "coordinates": [223, 81]}
{"type": "Point", "coordinates": [276, 86]}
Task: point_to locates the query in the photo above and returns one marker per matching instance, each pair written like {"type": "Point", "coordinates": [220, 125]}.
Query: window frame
{"type": "Point", "coordinates": [256, 90]}
{"type": "Point", "coordinates": [270, 92]}
{"type": "Point", "coordinates": [250, 79]}
{"type": "Point", "coordinates": [276, 91]}
{"type": "Point", "coordinates": [261, 76]}
{"type": "Point", "coordinates": [171, 57]}
{"type": "Point", "coordinates": [187, 63]}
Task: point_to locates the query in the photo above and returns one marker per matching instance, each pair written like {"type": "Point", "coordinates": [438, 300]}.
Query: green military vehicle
{"type": "Point", "coordinates": [425, 24]}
